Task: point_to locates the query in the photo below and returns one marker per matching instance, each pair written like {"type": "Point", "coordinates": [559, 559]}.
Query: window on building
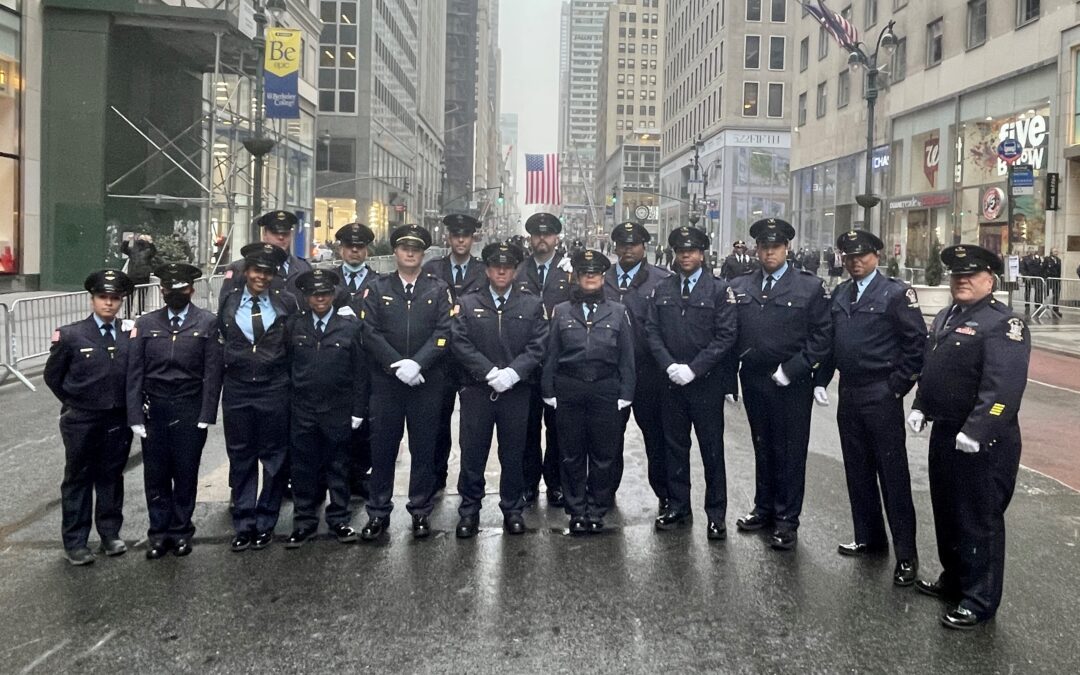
{"type": "Point", "coordinates": [619, 109]}
{"type": "Point", "coordinates": [899, 61]}
{"type": "Point", "coordinates": [338, 155]}
{"type": "Point", "coordinates": [622, 31]}
{"type": "Point", "coordinates": [776, 99]}
{"type": "Point", "coordinates": [753, 10]}
{"type": "Point", "coordinates": [934, 42]}
{"type": "Point", "coordinates": [871, 12]}
{"type": "Point", "coordinates": [750, 99]}
{"type": "Point", "coordinates": [752, 53]}
{"type": "Point", "coordinates": [802, 109]}
{"type": "Point", "coordinates": [779, 11]}
{"type": "Point", "coordinates": [804, 54]}
{"type": "Point", "coordinates": [620, 78]}
{"type": "Point", "coordinates": [777, 47]}
{"type": "Point", "coordinates": [822, 99]}
{"type": "Point", "coordinates": [1026, 11]}
{"type": "Point", "coordinates": [976, 23]}
{"type": "Point", "coordinates": [843, 88]}
{"type": "Point", "coordinates": [823, 38]}
{"type": "Point", "coordinates": [620, 94]}
{"type": "Point", "coordinates": [622, 63]}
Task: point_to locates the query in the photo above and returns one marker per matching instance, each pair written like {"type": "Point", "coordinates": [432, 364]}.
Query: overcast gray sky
{"type": "Point", "coordinates": [529, 38]}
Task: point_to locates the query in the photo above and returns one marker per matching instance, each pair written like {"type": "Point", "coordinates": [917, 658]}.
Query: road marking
{"type": "Point", "coordinates": [1046, 475]}
{"type": "Point", "coordinates": [1054, 386]}
{"type": "Point", "coordinates": [41, 659]}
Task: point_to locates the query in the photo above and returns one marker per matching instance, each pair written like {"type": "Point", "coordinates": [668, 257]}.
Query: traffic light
{"type": "Point", "coordinates": [614, 195]}
{"type": "Point", "coordinates": [407, 184]}
{"type": "Point", "coordinates": [501, 197]}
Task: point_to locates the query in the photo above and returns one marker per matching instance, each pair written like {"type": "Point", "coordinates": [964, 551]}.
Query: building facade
{"type": "Point", "coordinates": [726, 134]}
{"type": "Point", "coordinates": [20, 88]}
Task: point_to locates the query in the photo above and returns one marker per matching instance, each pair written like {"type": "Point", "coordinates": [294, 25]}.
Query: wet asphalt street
{"type": "Point", "coordinates": [629, 600]}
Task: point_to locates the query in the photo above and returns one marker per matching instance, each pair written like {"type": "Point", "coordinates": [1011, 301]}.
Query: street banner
{"type": "Point", "coordinates": [282, 70]}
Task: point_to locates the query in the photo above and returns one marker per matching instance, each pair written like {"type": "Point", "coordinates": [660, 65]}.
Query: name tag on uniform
{"type": "Point", "coordinates": [84, 350]}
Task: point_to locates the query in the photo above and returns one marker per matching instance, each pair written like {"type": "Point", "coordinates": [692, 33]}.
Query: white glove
{"type": "Point", "coordinates": [203, 425]}
{"type": "Point", "coordinates": [965, 443]}
{"type": "Point", "coordinates": [491, 373]}
{"type": "Point", "coordinates": [672, 368]}
{"type": "Point", "coordinates": [551, 403]}
{"type": "Point", "coordinates": [730, 398]}
{"type": "Point", "coordinates": [780, 378]}
{"type": "Point", "coordinates": [916, 421]}
{"type": "Point", "coordinates": [406, 370]}
{"type": "Point", "coordinates": [416, 381]}
{"type": "Point", "coordinates": [565, 265]}
{"type": "Point", "coordinates": [356, 422]}
{"type": "Point", "coordinates": [623, 405]}
{"type": "Point", "coordinates": [821, 397]}
{"type": "Point", "coordinates": [139, 430]}
{"type": "Point", "coordinates": [683, 375]}
{"type": "Point", "coordinates": [504, 380]}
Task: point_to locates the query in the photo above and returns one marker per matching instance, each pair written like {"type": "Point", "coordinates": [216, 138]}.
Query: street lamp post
{"type": "Point", "coordinates": [258, 144]}
{"type": "Point", "coordinates": [695, 166]}
{"type": "Point", "coordinates": [858, 57]}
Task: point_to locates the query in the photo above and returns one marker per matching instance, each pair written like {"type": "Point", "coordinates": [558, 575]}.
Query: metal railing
{"type": "Point", "coordinates": [1060, 295]}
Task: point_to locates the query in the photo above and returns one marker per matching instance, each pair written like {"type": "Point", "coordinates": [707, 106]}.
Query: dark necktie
{"type": "Point", "coordinates": [953, 313]}
{"type": "Point", "coordinates": [686, 289]}
{"type": "Point", "coordinates": [319, 329]}
{"type": "Point", "coordinates": [108, 334]}
{"type": "Point", "coordinates": [540, 271]}
{"type": "Point", "coordinates": [176, 323]}
{"type": "Point", "coordinates": [408, 292]}
{"type": "Point", "coordinates": [499, 302]}
{"type": "Point", "coordinates": [768, 284]}
{"type": "Point", "coordinates": [591, 308]}
{"type": "Point", "coordinates": [353, 286]}
{"type": "Point", "coordinates": [854, 292]}
{"type": "Point", "coordinates": [457, 275]}
{"type": "Point", "coordinates": [257, 327]}
{"type": "Point", "coordinates": [625, 282]}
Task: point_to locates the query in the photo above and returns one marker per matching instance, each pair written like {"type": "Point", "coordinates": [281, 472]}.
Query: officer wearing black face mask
{"type": "Point", "coordinates": [173, 386]}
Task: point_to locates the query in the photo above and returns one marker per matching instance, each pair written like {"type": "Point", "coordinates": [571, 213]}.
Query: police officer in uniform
{"type": "Point", "coordinates": [630, 282]}
{"type": "Point", "coordinates": [406, 328]}
{"type": "Point", "coordinates": [878, 341]}
{"type": "Point", "coordinates": [738, 263]}
{"type": "Point", "coordinates": [256, 395]}
{"type": "Point", "coordinates": [173, 388]}
{"type": "Point", "coordinates": [356, 277]}
{"type": "Point", "coordinates": [87, 371]}
{"type": "Point", "coordinates": [691, 327]}
{"type": "Point", "coordinates": [463, 273]}
{"type": "Point", "coordinates": [328, 371]}
{"type": "Point", "coordinates": [785, 334]}
{"type": "Point", "coordinates": [589, 369]}
{"type": "Point", "coordinates": [546, 274]}
{"type": "Point", "coordinates": [971, 386]}
{"type": "Point", "coordinates": [499, 336]}
{"type": "Point", "coordinates": [277, 229]}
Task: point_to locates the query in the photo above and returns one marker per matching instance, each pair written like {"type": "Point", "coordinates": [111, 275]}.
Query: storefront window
{"type": "Point", "coordinates": [10, 124]}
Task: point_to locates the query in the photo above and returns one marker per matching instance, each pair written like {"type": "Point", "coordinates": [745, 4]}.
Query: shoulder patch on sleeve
{"type": "Point", "coordinates": [228, 274]}
{"type": "Point", "coordinates": [730, 296]}
{"type": "Point", "coordinates": [56, 335]}
{"type": "Point", "coordinates": [912, 297]}
{"type": "Point", "coordinates": [1016, 329]}
{"type": "Point", "coordinates": [346, 311]}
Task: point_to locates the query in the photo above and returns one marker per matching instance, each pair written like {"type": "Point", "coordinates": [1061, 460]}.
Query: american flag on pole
{"type": "Point", "coordinates": [542, 179]}
{"type": "Point", "coordinates": [837, 26]}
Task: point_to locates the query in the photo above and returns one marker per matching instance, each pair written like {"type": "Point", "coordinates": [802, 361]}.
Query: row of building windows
{"type": "Point", "coordinates": [774, 104]}
{"type": "Point", "coordinates": [700, 78]}
{"type": "Point", "coordinates": [752, 52]}
{"type": "Point", "coordinates": [708, 111]}
{"type": "Point", "coordinates": [629, 94]}
{"type": "Point", "coordinates": [631, 48]}
{"type": "Point", "coordinates": [395, 30]}
{"type": "Point", "coordinates": [391, 63]}
{"type": "Point", "coordinates": [629, 79]}
{"type": "Point", "coordinates": [624, 109]}
{"type": "Point", "coordinates": [646, 64]}
{"type": "Point", "coordinates": [631, 17]}
{"type": "Point", "coordinates": [680, 56]}
{"type": "Point", "coordinates": [646, 33]}
{"type": "Point", "coordinates": [777, 10]}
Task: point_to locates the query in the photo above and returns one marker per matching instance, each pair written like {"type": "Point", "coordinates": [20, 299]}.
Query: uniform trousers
{"type": "Point", "coordinates": [480, 416]}
{"type": "Point", "coordinates": [780, 425]}
{"type": "Point", "coordinates": [360, 459]}
{"type": "Point", "coordinates": [699, 404]}
{"type": "Point", "coordinates": [647, 413]}
{"type": "Point", "coordinates": [96, 447]}
{"type": "Point", "coordinates": [872, 439]}
{"type": "Point", "coordinates": [969, 493]}
{"type": "Point", "coordinates": [256, 432]}
{"type": "Point", "coordinates": [320, 464]}
{"type": "Point", "coordinates": [444, 439]}
{"type": "Point", "coordinates": [541, 463]}
{"type": "Point", "coordinates": [393, 406]}
{"type": "Point", "coordinates": [172, 451]}
{"type": "Point", "coordinates": [589, 425]}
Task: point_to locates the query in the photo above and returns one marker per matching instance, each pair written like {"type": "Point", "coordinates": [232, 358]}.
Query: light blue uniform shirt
{"type": "Point", "coordinates": [693, 279]}
{"type": "Point", "coordinates": [775, 275]}
{"type": "Point", "coordinates": [861, 285]}
{"type": "Point", "coordinates": [630, 274]}
{"type": "Point", "coordinates": [182, 315]}
{"type": "Point", "coordinates": [243, 314]}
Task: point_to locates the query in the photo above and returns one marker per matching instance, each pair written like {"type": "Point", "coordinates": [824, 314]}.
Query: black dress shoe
{"type": "Point", "coordinates": [113, 547]}
{"type": "Point", "coordinates": [374, 528]}
{"type": "Point", "coordinates": [467, 527]}
{"type": "Point", "coordinates": [241, 542]}
{"type": "Point", "coordinates": [299, 536]}
{"type": "Point", "coordinates": [555, 498]}
{"type": "Point", "coordinates": [182, 547]}
{"type": "Point", "coordinates": [514, 524]}
{"type": "Point", "coordinates": [752, 521]}
{"type": "Point", "coordinates": [716, 531]}
{"type": "Point", "coordinates": [857, 550]}
{"type": "Point", "coordinates": [157, 549]}
{"type": "Point", "coordinates": [935, 589]}
{"type": "Point", "coordinates": [961, 618]}
{"type": "Point", "coordinates": [578, 525]}
{"type": "Point", "coordinates": [596, 526]}
{"type": "Point", "coordinates": [783, 540]}
{"type": "Point", "coordinates": [669, 520]}
{"type": "Point", "coordinates": [344, 533]}
{"type": "Point", "coordinates": [79, 556]}
{"type": "Point", "coordinates": [421, 527]}
{"type": "Point", "coordinates": [262, 540]}
{"type": "Point", "coordinates": [905, 572]}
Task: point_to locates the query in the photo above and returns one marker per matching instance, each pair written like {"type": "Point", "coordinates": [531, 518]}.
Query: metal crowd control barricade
{"type": "Point", "coordinates": [6, 365]}
{"type": "Point", "coordinates": [1062, 295]}
{"type": "Point", "coordinates": [1030, 296]}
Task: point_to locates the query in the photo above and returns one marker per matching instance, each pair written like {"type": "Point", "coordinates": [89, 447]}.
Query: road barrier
{"type": "Point", "coordinates": [1061, 295]}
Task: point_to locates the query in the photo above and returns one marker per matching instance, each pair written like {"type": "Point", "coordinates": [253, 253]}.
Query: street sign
{"type": "Point", "coordinates": [641, 212]}
{"type": "Point", "coordinates": [1009, 150]}
{"type": "Point", "coordinates": [1053, 186]}
{"type": "Point", "coordinates": [400, 208]}
{"type": "Point", "coordinates": [1022, 180]}
{"type": "Point", "coordinates": [245, 20]}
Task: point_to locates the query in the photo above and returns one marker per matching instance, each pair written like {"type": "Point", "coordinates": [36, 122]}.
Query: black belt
{"type": "Point", "coordinates": [586, 373]}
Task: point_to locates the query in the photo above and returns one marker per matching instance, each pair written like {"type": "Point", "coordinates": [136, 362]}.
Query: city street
{"type": "Point", "coordinates": [630, 600]}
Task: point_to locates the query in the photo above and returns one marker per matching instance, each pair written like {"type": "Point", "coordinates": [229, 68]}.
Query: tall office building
{"type": "Point", "coordinates": [430, 110]}
{"type": "Point", "coordinates": [727, 79]}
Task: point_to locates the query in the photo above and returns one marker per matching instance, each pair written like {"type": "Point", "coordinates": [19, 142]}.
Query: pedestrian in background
{"type": "Point", "coordinates": [173, 388]}
{"type": "Point", "coordinates": [87, 371]}
{"type": "Point", "coordinates": [142, 255]}
{"type": "Point", "coordinates": [1051, 273]}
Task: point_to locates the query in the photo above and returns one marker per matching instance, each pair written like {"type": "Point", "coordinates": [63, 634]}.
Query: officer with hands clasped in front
{"type": "Point", "coordinates": [499, 336]}
{"type": "Point", "coordinates": [328, 371]}
{"type": "Point", "coordinates": [406, 328]}
{"type": "Point", "coordinates": [972, 383]}
{"type": "Point", "coordinates": [87, 371]}
{"type": "Point", "coordinates": [691, 326]}
{"type": "Point", "coordinates": [785, 334]}
{"type": "Point", "coordinates": [878, 341]}
{"type": "Point", "coordinates": [173, 388]}
{"type": "Point", "coordinates": [588, 379]}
